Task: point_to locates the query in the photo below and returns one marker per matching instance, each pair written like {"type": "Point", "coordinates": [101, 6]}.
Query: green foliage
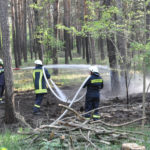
{"type": "Point", "coordinates": [9, 141]}
{"type": "Point", "coordinates": [147, 2]}
{"type": "Point", "coordinates": [3, 148]}
{"type": "Point", "coordinates": [36, 6]}
{"type": "Point", "coordinates": [137, 46]}
{"type": "Point", "coordinates": [93, 25]}
{"type": "Point", "coordinates": [48, 39]}
{"type": "Point", "coordinates": [93, 8]}
{"type": "Point", "coordinates": [52, 145]}
{"type": "Point", "coordinates": [145, 51]}
{"type": "Point", "coordinates": [104, 26]}
{"type": "Point", "coordinates": [100, 22]}
{"type": "Point", "coordinates": [72, 30]}
{"type": "Point", "coordinates": [12, 141]}
{"type": "Point", "coordinates": [40, 4]}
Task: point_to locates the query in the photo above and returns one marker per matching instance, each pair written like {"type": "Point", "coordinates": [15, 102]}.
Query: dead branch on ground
{"type": "Point", "coordinates": [74, 129]}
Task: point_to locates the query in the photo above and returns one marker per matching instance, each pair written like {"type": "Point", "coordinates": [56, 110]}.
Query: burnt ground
{"type": "Point", "coordinates": [116, 113]}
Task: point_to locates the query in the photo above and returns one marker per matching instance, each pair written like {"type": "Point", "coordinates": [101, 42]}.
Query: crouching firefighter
{"type": "Point", "coordinates": [39, 85]}
{"type": "Point", "coordinates": [94, 84]}
{"type": "Point", "coordinates": [2, 81]}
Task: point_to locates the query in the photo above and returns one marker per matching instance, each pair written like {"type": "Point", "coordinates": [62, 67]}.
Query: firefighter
{"type": "Point", "coordinates": [2, 81]}
{"type": "Point", "coordinates": [39, 85]}
{"type": "Point", "coordinates": [94, 84]}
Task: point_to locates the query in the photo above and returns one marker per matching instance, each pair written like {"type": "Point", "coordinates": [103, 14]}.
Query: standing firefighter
{"type": "Point", "coordinates": [2, 81]}
{"type": "Point", "coordinates": [39, 85]}
{"type": "Point", "coordinates": [94, 84]}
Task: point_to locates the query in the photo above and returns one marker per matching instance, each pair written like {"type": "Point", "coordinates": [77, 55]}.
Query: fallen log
{"type": "Point", "coordinates": [132, 146]}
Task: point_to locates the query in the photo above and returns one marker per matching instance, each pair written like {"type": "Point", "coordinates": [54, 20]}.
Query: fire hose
{"type": "Point", "coordinates": [72, 101]}
{"type": "Point", "coordinates": [61, 95]}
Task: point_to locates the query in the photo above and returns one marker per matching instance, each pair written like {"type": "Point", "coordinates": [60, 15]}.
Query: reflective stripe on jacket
{"type": "Point", "coordinates": [39, 81]}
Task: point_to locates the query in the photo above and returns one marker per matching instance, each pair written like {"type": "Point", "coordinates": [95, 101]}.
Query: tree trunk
{"type": "Point", "coordinates": [144, 93]}
{"type": "Point", "coordinates": [71, 42]}
{"type": "Point", "coordinates": [66, 34]}
{"type": "Point", "coordinates": [101, 47]}
{"type": "Point", "coordinates": [121, 40]}
{"type": "Point", "coordinates": [79, 20]}
{"type": "Point", "coordinates": [70, 54]}
{"type": "Point", "coordinates": [87, 37]}
{"type": "Point", "coordinates": [92, 41]}
{"type": "Point", "coordinates": [100, 39]}
{"type": "Point", "coordinates": [78, 43]}
{"type": "Point", "coordinates": [82, 7]}
{"type": "Point", "coordinates": [9, 112]}
{"type": "Point", "coordinates": [55, 18]}
{"type": "Point", "coordinates": [115, 85]}
{"type": "Point", "coordinates": [83, 46]}
{"type": "Point", "coordinates": [37, 24]}
{"type": "Point", "coordinates": [87, 50]}
{"type": "Point", "coordinates": [17, 31]}
{"type": "Point", "coordinates": [24, 42]}
{"type": "Point", "coordinates": [1, 54]}
{"type": "Point", "coordinates": [20, 27]}
{"type": "Point", "coordinates": [14, 35]}
{"type": "Point", "coordinates": [148, 23]}
{"type": "Point", "coordinates": [30, 25]}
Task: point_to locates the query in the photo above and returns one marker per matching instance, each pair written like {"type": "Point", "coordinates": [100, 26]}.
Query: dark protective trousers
{"type": "Point", "coordinates": [38, 101]}
{"type": "Point", "coordinates": [90, 104]}
{"type": "Point", "coordinates": [2, 87]}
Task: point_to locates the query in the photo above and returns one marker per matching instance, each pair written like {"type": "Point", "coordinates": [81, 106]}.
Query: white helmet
{"type": "Point", "coordinates": [38, 62]}
{"type": "Point", "coordinates": [94, 69]}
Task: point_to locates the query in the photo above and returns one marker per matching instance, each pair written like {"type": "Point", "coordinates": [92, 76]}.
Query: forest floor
{"type": "Point", "coordinates": [116, 112]}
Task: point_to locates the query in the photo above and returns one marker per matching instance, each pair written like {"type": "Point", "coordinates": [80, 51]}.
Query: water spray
{"type": "Point", "coordinates": [50, 86]}
{"type": "Point", "coordinates": [60, 93]}
{"type": "Point", "coordinates": [73, 100]}
{"type": "Point", "coordinates": [62, 97]}
{"type": "Point", "coordinates": [62, 66]}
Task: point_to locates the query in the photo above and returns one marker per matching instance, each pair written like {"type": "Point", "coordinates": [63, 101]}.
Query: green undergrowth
{"type": "Point", "coordinates": [14, 141]}
{"type": "Point", "coordinates": [10, 141]}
